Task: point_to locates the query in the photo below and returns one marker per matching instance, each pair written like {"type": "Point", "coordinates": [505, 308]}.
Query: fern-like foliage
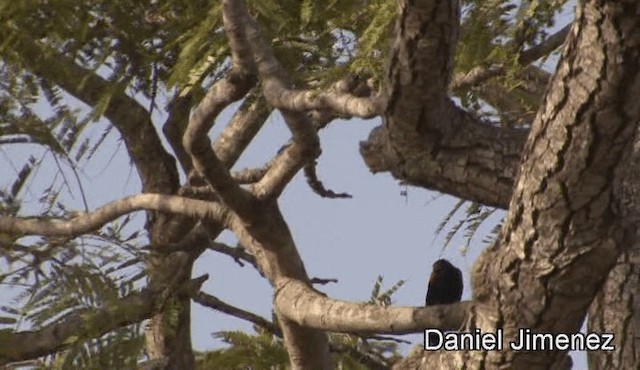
{"type": "Point", "coordinates": [261, 351]}
{"type": "Point", "coordinates": [467, 224]}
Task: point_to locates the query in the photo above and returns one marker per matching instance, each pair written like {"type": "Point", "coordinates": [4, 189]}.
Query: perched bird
{"type": "Point", "coordinates": [445, 287]}
{"type": "Point", "coordinates": [445, 284]}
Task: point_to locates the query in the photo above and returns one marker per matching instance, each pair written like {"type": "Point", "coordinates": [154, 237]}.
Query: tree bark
{"type": "Point", "coordinates": [574, 203]}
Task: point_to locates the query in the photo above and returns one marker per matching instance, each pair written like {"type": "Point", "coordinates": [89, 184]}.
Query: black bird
{"type": "Point", "coordinates": [445, 284]}
{"type": "Point", "coordinates": [445, 287]}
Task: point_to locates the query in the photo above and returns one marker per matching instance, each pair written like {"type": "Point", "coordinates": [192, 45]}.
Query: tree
{"type": "Point", "coordinates": [560, 152]}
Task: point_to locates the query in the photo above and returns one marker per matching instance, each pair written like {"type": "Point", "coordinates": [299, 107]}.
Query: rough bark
{"type": "Point", "coordinates": [569, 215]}
{"type": "Point", "coordinates": [426, 140]}
{"type": "Point", "coordinates": [615, 310]}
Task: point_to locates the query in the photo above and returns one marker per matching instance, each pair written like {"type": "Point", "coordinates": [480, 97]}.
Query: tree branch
{"type": "Point", "coordinates": [426, 140]}
{"type": "Point", "coordinates": [245, 124]}
{"type": "Point", "coordinates": [94, 220]}
{"type": "Point", "coordinates": [236, 253]}
{"type": "Point", "coordinates": [155, 166]}
{"type": "Point", "coordinates": [210, 301]}
{"type": "Point", "coordinates": [217, 304]}
{"type": "Point", "coordinates": [298, 302]}
{"type": "Point", "coordinates": [480, 74]}
{"type": "Point", "coordinates": [545, 47]}
{"type": "Point", "coordinates": [305, 145]}
{"type": "Point", "coordinates": [86, 324]}
{"type": "Point", "coordinates": [338, 103]}
{"type": "Point", "coordinates": [237, 84]}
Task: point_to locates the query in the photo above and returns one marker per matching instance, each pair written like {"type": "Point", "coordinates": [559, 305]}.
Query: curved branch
{"type": "Point", "coordinates": [224, 92]}
{"type": "Point", "coordinates": [198, 146]}
{"type": "Point", "coordinates": [275, 80]}
{"type": "Point", "coordinates": [338, 103]}
{"type": "Point", "coordinates": [300, 303]}
{"type": "Point", "coordinates": [94, 220]}
{"type": "Point", "coordinates": [317, 186]}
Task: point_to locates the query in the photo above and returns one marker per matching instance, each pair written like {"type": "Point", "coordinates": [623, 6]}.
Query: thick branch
{"type": "Point", "coordinates": [338, 103]}
{"type": "Point", "coordinates": [245, 124]}
{"type": "Point", "coordinates": [471, 166]}
{"type": "Point", "coordinates": [305, 306]}
{"type": "Point", "coordinates": [212, 302]}
{"type": "Point", "coordinates": [198, 146]}
{"type": "Point", "coordinates": [426, 140]}
{"type": "Point", "coordinates": [468, 159]}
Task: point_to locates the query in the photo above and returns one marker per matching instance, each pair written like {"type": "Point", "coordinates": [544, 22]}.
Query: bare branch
{"type": "Point", "coordinates": [545, 47]}
{"type": "Point", "coordinates": [305, 145]}
{"type": "Point", "coordinates": [339, 103]}
{"type": "Point", "coordinates": [244, 126]}
{"type": "Point", "coordinates": [284, 167]}
{"type": "Point", "coordinates": [90, 323]}
{"type": "Point", "coordinates": [198, 145]}
{"type": "Point", "coordinates": [224, 92]}
{"type": "Point", "coordinates": [236, 253]}
{"type": "Point", "coordinates": [94, 220]}
{"type": "Point", "coordinates": [210, 301]}
{"type": "Point", "coordinates": [217, 304]}
{"type": "Point", "coordinates": [250, 175]}
{"type": "Point", "coordinates": [317, 186]}
{"type": "Point", "coordinates": [303, 305]}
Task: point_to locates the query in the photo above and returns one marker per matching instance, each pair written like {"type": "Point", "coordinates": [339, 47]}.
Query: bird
{"type": "Point", "coordinates": [445, 284]}
{"type": "Point", "coordinates": [445, 287]}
